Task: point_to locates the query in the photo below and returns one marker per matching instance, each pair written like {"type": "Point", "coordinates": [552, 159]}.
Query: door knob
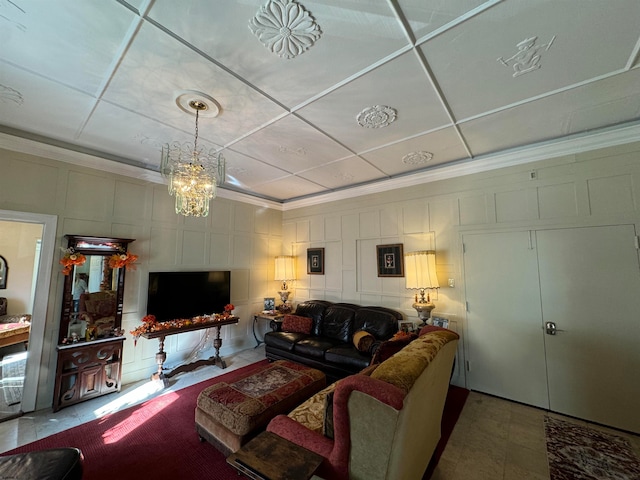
{"type": "Point", "coordinates": [551, 329]}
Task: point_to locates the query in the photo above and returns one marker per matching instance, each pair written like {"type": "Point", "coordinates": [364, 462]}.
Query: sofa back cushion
{"type": "Point", "coordinates": [404, 367]}
{"type": "Point", "coordinates": [313, 309]}
{"type": "Point", "coordinates": [338, 323]}
{"type": "Point", "coordinates": [381, 322]}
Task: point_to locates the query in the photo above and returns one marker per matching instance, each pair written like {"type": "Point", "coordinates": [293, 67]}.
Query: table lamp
{"type": "Point", "coordinates": [285, 272]}
{"type": "Point", "coordinates": [420, 274]}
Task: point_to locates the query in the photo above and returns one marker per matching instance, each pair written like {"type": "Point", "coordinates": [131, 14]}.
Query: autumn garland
{"type": "Point", "coordinates": [151, 324]}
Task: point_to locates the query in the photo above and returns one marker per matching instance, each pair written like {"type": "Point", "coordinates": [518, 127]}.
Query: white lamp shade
{"type": "Point", "coordinates": [420, 269]}
{"type": "Point", "coordinates": [285, 268]}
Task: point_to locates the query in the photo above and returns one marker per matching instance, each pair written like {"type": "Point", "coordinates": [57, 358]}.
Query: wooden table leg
{"type": "Point", "coordinates": [217, 343]}
{"type": "Point", "coordinates": [161, 357]}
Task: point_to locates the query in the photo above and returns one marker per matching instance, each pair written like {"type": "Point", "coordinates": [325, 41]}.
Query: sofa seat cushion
{"type": "Point", "coordinates": [283, 340]}
{"type": "Point", "coordinates": [314, 347]}
{"type": "Point", "coordinates": [347, 356]}
{"type": "Point", "coordinates": [403, 368]}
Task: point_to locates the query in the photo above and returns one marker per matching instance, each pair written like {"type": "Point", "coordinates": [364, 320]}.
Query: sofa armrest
{"type": "Point", "coordinates": [295, 432]}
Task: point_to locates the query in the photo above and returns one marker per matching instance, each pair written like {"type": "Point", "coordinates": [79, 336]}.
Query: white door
{"type": "Point", "coordinates": [505, 344]}
{"type": "Point", "coordinates": [590, 287]}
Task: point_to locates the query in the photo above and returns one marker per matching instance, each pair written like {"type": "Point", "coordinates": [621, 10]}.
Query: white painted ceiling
{"type": "Point", "coordinates": [464, 79]}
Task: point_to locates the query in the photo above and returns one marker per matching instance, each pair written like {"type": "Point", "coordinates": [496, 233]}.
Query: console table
{"type": "Point", "coordinates": [274, 321]}
{"type": "Point", "coordinates": [161, 356]}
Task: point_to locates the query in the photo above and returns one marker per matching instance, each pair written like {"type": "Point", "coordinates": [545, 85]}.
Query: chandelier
{"type": "Point", "coordinates": [192, 172]}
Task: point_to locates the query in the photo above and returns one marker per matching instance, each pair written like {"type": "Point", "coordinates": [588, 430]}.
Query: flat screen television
{"type": "Point", "coordinates": [174, 295]}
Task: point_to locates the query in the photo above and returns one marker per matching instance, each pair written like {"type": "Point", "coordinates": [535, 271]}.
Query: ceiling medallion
{"type": "Point", "coordinates": [527, 58]}
{"type": "Point", "coordinates": [377, 116]}
{"type": "Point", "coordinates": [417, 158]}
{"type": "Point", "coordinates": [285, 28]}
{"type": "Point", "coordinates": [10, 94]}
{"type": "Point", "coordinates": [300, 151]}
{"type": "Point", "coordinates": [347, 177]}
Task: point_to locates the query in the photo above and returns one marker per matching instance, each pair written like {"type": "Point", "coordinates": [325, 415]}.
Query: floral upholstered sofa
{"type": "Point", "coordinates": [13, 328]}
{"type": "Point", "coordinates": [382, 423]}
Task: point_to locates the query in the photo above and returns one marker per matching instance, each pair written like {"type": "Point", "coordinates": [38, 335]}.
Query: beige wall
{"type": "Point", "coordinates": [598, 187]}
{"type": "Point", "coordinates": [236, 236]}
{"type": "Point", "coordinates": [18, 247]}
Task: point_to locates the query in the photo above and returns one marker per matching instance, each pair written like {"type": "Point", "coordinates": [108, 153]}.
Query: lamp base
{"type": "Point", "coordinates": [284, 295]}
{"type": "Point", "coordinates": [424, 311]}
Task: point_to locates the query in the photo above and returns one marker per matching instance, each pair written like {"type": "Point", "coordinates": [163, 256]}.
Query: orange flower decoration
{"type": "Point", "coordinates": [120, 260]}
{"type": "Point", "coordinates": [70, 259]}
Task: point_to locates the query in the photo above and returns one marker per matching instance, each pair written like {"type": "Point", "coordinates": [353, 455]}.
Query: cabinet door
{"type": "Point", "coordinates": [90, 381]}
{"type": "Point", "coordinates": [590, 285]}
{"type": "Point", "coordinates": [505, 345]}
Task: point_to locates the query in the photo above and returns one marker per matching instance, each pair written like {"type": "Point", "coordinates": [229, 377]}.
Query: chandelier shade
{"type": "Point", "coordinates": [192, 172]}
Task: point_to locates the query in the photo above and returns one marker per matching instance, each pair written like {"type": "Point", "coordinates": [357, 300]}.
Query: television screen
{"type": "Point", "coordinates": [174, 295]}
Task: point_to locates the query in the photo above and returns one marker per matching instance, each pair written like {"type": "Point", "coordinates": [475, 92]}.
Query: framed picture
{"type": "Point", "coordinates": [407, 327]}
{"type": "Point", "coordinates": [440, 322]}
{"type": "Point", "coordinates": [4, 271]}
{"type": "Point", "coordinates": [269, 304]}
{"type": "Point", "coordinates": [315, 261]}
{"type": "Point", "coordinates": [390, 260]}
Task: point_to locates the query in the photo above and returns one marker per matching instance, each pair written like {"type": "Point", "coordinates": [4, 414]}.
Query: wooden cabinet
{"type": "Point", "coordinates": [90, 339]}
{"type": "Point", "coordinates": [87, 370]}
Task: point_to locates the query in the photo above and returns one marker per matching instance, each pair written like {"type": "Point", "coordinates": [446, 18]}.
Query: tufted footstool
{"type": "Point", "coordinates": [230, 414]}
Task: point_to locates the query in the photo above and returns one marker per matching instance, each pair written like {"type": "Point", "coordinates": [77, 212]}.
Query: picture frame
{"type": "Point", "coordinates": [315, 261]}
{"type": "Point", "coordinates": [440, 322]}
{"type": "Point", "coordinates": [390, 260]}
{"type": "Point", "coordinates": [269, 304]}
{"type": "Point", "coordinates": [407, 327]}
{"type": "Point", "coordinates": [4, 271]}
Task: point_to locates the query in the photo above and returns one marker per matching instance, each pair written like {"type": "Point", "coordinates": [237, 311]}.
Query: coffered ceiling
{"type": "Point", "coordinates": [316, 96]}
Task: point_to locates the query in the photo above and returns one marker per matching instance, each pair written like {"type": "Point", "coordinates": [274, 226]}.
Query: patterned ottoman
{"type": "Point", "coordinates": [230, 414]}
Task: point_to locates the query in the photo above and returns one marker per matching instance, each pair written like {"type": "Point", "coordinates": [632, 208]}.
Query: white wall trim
{"type": "Point", "coordinates": [41, 301]}
{"type": "Point", "coordinates": [569, 145]}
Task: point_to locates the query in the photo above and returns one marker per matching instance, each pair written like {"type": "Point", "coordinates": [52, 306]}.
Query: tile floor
{"type": "Point", "coordinates": [494, 439]}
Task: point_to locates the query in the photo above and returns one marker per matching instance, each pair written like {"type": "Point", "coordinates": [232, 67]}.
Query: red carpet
{"type": "Point", "coordinates": [157, 439]}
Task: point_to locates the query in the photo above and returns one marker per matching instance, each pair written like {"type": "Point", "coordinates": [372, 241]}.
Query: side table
{"type": "Point", "coordinates": [269, 456]}
{"type": "Point", "coordinates": [274, 320]}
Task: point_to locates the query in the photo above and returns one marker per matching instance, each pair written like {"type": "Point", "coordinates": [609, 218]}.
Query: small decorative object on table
{"type": "Point", "coordinates": [228, 310]}
{"type": "Point", "coordinates": [269, 305]}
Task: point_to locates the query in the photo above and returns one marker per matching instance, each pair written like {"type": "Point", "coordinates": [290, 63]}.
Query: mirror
{"type": "Point", "coordinates": [93, 291]}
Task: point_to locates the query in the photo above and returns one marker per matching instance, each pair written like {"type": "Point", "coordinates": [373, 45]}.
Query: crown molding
{"type": "Point", "coordinates": [53, 152]}
{"type": "Point", "coordinates": [569, 145]}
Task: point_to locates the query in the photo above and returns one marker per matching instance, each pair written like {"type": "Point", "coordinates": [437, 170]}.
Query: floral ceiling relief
{"type": "Point", "coordinates": [417, 158]}
{"type": "Point", "coordinates": [285, 28]}
{"type": "Point", "coordinates": [377, 116]}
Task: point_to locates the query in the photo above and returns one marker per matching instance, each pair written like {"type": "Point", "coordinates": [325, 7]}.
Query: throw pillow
{"type": "Point", "coordinates": [297, 324]}
{"type": "Point", "coordinates": [327, 421]}
{"type": "Point", "coordinates": [363, 341]}
{"type": "Point", "coordinates": [390, 347]}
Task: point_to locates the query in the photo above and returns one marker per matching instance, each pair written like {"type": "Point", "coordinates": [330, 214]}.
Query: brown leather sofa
{"type": "Point", "coordinates": [329, 346]}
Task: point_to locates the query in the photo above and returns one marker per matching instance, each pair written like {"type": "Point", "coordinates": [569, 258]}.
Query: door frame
{"type": "Point", "coordinates": [41, 300]}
